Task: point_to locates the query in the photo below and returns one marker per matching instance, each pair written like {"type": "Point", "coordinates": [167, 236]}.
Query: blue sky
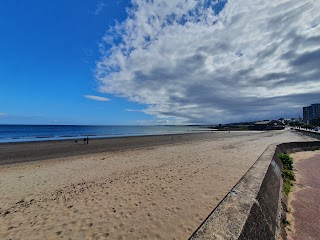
{"type": "Point", "coordinates": [157, 62]}
{"type": "Point", "coordinates": [48, 52]}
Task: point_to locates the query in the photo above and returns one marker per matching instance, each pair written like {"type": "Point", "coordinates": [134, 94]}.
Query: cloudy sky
{"type": "Point", "coordinates": [179, 61]}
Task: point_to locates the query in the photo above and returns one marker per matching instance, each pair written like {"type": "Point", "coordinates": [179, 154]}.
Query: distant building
{"type": "Point", "coordinates": [311, 112]}
{"type": "Point", "coordinates": [267, 125]}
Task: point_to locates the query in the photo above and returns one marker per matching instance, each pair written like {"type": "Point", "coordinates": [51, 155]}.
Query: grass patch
{"type": "Point", "coordinates": [287, 223]}
{"type": "Point", "coordinates": [287, 186]}
{"type": "Point", "coordinates": [287, 173]}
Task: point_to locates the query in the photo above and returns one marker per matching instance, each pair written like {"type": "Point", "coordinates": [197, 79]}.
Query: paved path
{"type": "Point", "coordinates": [305, 200]}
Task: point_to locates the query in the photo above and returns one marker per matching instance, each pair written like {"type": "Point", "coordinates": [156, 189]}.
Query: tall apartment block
{"type": "Point", "coordinates": [311, 112]}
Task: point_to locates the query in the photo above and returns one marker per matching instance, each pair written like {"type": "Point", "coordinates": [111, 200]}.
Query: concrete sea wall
{"type": "Point", "coordinates": [253, 209]}
{"type": "Point", "coordinates": [309, 133]}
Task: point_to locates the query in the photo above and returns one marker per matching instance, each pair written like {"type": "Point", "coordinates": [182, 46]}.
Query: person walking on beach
{"type": "Point", "coordinates": [87, 140]}
{"type": "Point", "coordinates": [84, 141]}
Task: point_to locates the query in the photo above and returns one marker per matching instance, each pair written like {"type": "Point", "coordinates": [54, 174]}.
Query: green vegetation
{"type": "Point", "coordinates": [287, 186]}
{"type": "Point", "coordinates": [287, 223]}
{"type": "Point", "coordinates": [287, 172]}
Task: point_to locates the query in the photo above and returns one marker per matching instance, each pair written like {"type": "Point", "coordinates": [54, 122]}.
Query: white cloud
{"type": "Point", "coordinates": [133, 110]}
{"type": "Point", "coordinates": [99, 8]}
{"type": "Point", "coordinates": [254, 59]}
{"type": "Point", "coordinates": [97, 98]}
{"type": "Point", "coordinates": [3, 114]}
{"type": "Point", "coordinates": [159, 122]}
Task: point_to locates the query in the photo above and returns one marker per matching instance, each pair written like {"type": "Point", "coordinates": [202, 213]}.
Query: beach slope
{"type": "Point", "coordinates": [148, 191]}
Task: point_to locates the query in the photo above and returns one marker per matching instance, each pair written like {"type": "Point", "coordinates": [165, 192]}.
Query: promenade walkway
{"type": "Point", "coordinates": [305, 199]}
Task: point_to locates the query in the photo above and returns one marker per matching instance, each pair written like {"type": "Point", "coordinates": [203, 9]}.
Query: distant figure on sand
{"type": "Point", "coordinates": [84, 141]}
{"type": "Point", "coordinates": [87, 140]}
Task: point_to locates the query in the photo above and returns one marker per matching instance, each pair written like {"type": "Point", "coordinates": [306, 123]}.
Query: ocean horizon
{"type": "Point", "coordinates": [27, 133]}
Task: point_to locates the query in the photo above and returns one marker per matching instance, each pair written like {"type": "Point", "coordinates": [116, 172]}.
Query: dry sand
{"type": "Point", "coordinates": [304, 200]}
{"type": "Point", "coordinates": [159, 192]}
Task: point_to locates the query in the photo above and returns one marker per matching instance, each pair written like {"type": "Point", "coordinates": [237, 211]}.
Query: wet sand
{"type": "Point", "coordinates": [304, 200]}
{"type": "Point", "coordinates": [35, 151]}
{"type": "Point", "coordinates": [148, 191]}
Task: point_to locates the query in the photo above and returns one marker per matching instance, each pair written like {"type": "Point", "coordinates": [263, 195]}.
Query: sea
{"type": "Point", "coordinates": [26, 133]}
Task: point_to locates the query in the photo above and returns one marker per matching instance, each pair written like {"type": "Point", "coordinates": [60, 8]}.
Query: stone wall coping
{"type": "Point", "coordinates": [252, 209]}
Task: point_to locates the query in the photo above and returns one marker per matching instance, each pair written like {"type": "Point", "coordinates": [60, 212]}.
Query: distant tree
{"type": "Point", "coordinates": [315, 122]}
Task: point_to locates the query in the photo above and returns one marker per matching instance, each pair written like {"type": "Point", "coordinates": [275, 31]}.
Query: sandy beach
{"type": "Point", "coordinates": [136, 188]}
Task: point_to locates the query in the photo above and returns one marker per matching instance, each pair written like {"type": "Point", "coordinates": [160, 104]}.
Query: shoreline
{"type": "Point", "coordinates": [28, 133]}
{"type": "Point", "coordinates": [18, 152]}
{"type": "Point", "coordinates": [92, 136]}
